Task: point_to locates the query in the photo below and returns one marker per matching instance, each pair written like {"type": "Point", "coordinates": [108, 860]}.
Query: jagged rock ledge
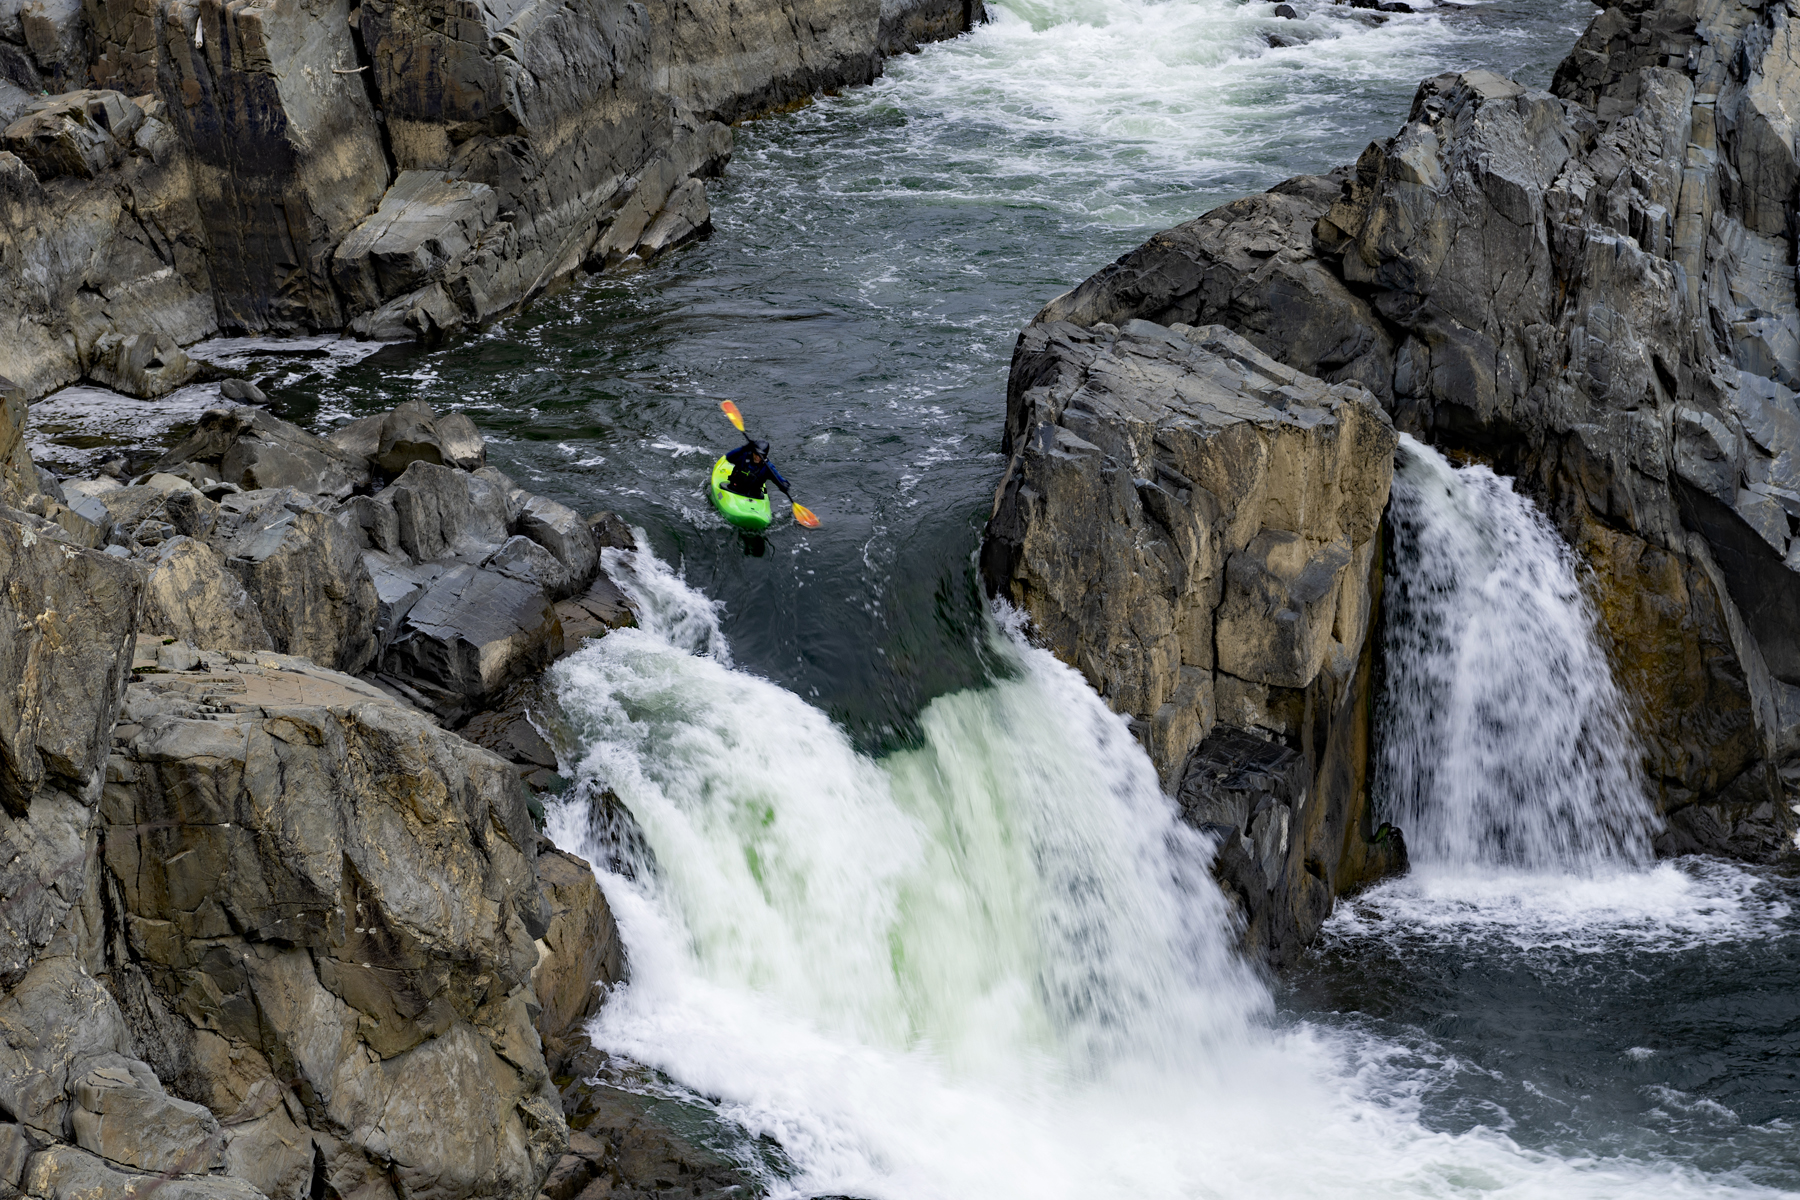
{"type": "Point", "coordinates": [397, 170]}
{"type": "Point", "coordinates": [264, 908]}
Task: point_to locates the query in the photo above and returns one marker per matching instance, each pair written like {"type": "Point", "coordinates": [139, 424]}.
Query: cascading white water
{"type": "Point", "coordinates": [989, 965]}
{"type": "Point", "coordinates": [1504, 740]}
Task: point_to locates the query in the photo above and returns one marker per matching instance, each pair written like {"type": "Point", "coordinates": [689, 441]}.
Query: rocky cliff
{"type": "Point", "coordinates": [1593, 288]}
{"type": "Point", "coordinates": [170, 169]}
{"type": "Point", "coordinates": [261, 914]}
{"type": "Point", "coordinates": [1196, 527]}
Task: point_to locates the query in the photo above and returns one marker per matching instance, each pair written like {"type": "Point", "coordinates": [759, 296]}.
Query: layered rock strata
{"type": "Point", "coordinates": [262, 916]}
{"type": "Point", "coordinates": [1196, 527]}
{"type": "Point", "coordinates": [398, 170]}
{"type": "Point", "coordinates": [1592, 287]}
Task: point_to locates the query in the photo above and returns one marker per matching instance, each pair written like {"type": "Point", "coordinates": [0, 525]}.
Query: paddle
{"type": "Point", "coordinates": [802, 514]}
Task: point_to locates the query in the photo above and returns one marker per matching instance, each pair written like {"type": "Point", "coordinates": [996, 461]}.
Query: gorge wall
{"type": "Point", "coordinates": [397, 170]}
{"type": "Point", "coordinates": [1594, 289]}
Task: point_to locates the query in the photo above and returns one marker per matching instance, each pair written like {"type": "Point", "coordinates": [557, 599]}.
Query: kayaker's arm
{"type": "Point", "coordinates": [779, 481]}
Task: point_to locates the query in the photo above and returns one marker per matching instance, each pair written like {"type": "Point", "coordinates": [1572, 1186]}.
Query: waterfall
{"type": "Point", "coordinates": [1504, 741]}
{"type": "Point", "coordinates": [990, 964]}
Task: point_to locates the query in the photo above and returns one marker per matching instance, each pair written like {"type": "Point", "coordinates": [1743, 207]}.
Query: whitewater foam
{"type": "Point", "coordinates": [991, 964]}
{"type": "Point", "coordinates": [1504, 740]}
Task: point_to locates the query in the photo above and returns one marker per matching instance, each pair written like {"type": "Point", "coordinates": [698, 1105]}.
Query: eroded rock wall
{"type": "Point", "coordinates": [261, 916]}
{"type": "Point", "coordinates": [1593, 288]}
{"type": "Point", "coordinates": [397, 169]}
{"type": "Point", "coordinates": [1196, 528]}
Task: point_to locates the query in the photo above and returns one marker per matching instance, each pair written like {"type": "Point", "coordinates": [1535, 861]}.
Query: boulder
{"type": "Point", "coordinates": [471, 634]}
{"type": "Point", "coordinates": [600, 609]}
{"type": "Point", "coordinates": [1194, 526]}
{"type": "Point", "coordinates": [303, 568]}
{"type": "Point", "coordinates": [145, 365]}
{"type": "Point", "coordinates": [561, 531]}
{"type": "Point", "coordinates": [76, 133]}
{"type": "Point", "coordinates": [122, 1113]}
{"type": "Point", "coordinates": [190, 593]}
{"type": "Point", "coordinates": [441, 512]}
{"type": "Point", "coordinates": [332, 903]}
{"type": "Point", "coordinates": [411, 433]}
{"type": "Point", "coordinates": [255, 449]}
{"type": "Point", "coordinates": [523, 559]}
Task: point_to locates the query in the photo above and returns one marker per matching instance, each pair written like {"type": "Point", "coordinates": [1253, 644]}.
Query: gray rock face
{"type": "Point", "coordinates": [191, 594]}
{"type": "Point", "coordinates": [396, 169]}
{"type": "Point", "coordinates": [333, 907]}
{"type": "Point", "coordinates": [304, 570]}
{"type": "Point", "coordinates": [1592, 288]}
{"type": "Point", "coordinates": [1195, 527]}
{"type": "Point", "coordinates": [583, 956]}
{"type": "Point", "coordinates": [120, 275]}
{"type": "Point", "coordinates": [76, 133]}
{"type": "Point", "coordinates": [122, 1114]}
{"type": "Point", "coordinates": [316, 912]}
{"type": "Point", "coordinates": [70, 616]}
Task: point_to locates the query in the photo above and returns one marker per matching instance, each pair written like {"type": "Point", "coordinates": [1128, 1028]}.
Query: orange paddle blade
{"type": "Point", "coordinates": [731, 410]}
{"type": "Point", "coordinates": [804, 515]}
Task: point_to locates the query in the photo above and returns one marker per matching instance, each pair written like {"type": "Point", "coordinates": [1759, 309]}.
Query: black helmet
{"type": "Point", "coordinates": [760, 446]}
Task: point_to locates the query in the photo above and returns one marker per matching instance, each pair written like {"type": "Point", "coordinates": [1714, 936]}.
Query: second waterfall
{"type": "Point", "coordinates": [1505, 740]}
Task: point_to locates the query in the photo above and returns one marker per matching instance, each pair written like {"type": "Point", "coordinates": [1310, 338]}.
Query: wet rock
{"type": "Point", "coordinates": [411, 433]}
{"type": "Point", "coordinates": [242, 391]}
{"type": "Point", "coordinates": [684, 218]}
{"type": "Point", "coordinates": [1560, 284]}
{"type": "Point", "coordinates": [304, 570]}
{"type": "Point", "coordinates": [627, 1142]}
{"type": "Point", "coordinates": [600, 609]}
{"type": "Point", "coordinates": [1286, 12]}
{"type": "Point", "coordinates": [583, 956]}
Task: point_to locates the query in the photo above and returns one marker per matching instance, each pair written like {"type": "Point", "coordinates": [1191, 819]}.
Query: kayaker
{"type": "Point", "coordinates": [752, 472]}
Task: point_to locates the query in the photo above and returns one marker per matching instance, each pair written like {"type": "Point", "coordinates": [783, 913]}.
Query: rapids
{"type": "Point", "coordinates": [908, 901]}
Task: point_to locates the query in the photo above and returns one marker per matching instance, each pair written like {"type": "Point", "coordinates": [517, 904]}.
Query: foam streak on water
{"type": "Point", "coordinates": [989, 965]}
{"type": "Point", "coordinates": [1504, 739]}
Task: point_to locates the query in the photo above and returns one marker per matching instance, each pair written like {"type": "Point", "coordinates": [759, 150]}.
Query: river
{"type": "Point", "coordinates": [917, 910]}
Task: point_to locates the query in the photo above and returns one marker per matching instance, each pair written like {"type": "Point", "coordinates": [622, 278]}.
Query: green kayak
{"type": "Point", "coordinates": [742, 511]}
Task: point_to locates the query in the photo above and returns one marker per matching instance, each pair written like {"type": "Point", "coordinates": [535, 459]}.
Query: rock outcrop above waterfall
{"type": "Point", "coordinates": [1593, 288]}
{"type": "Point", "coordinates": [1196, 527]}
{"type": "Point", "coordinates": [263, 916]}
{"type": "Point", "coordinates": [399, 170]}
